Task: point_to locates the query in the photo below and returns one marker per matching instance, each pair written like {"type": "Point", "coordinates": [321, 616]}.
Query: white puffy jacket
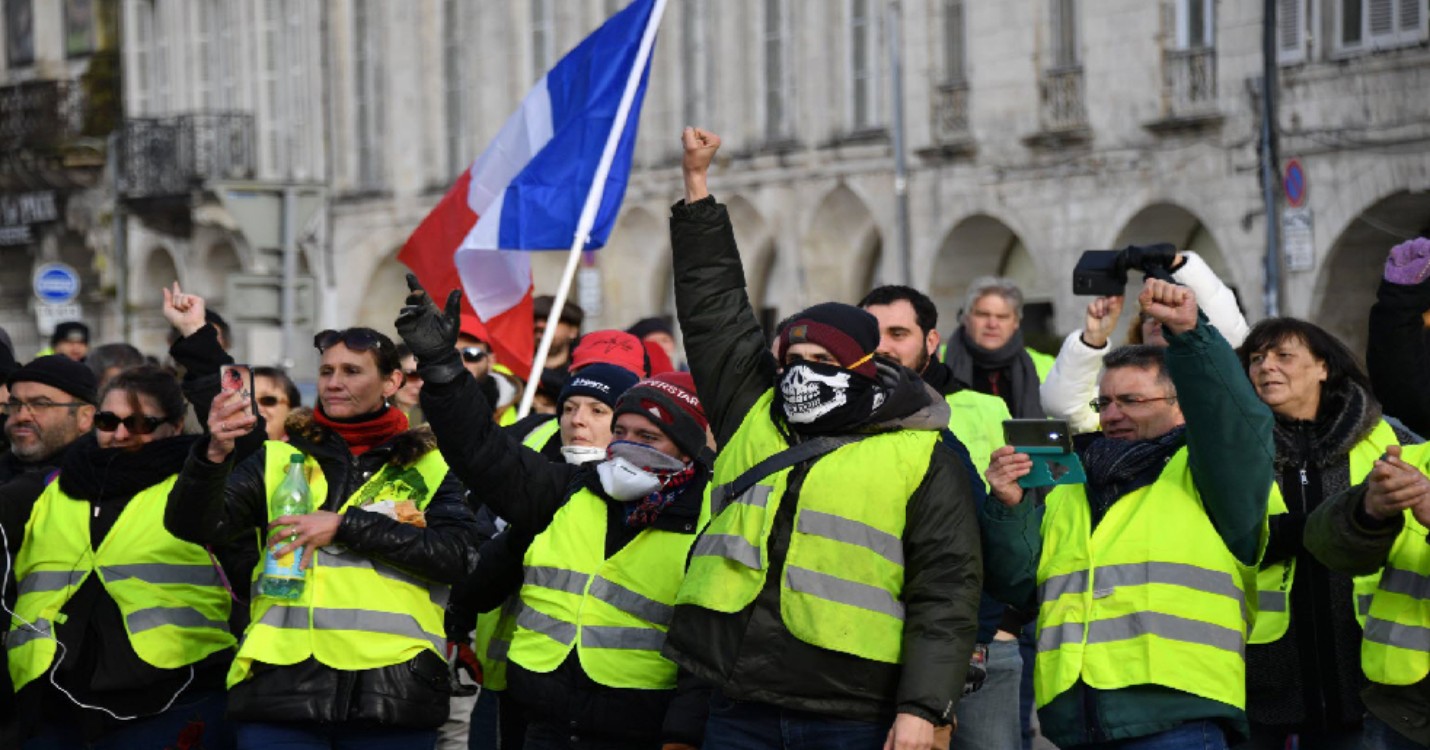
{"type": "Point", "coordinates": [1072, 382]}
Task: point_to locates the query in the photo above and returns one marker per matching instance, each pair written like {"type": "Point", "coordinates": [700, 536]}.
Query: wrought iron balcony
{"type": "Point", "coordinates": [1189, 76]}
{"type": "Point", "coordinates": [171, 156]}
{"type": "Point", "coordinates": [950, 113]}
{"type": "Point", "coordinates": [1062, 100]}
{"type": "Point", "coordinates": [40, 115]}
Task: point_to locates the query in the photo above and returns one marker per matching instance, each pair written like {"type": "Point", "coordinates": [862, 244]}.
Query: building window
{"type": "Point", "coordinates": [1378, 24]}
{"type": "Point", "coordinates": [162, 41]}
{"type": "Point", "coordinates": [1291, 25]}
{"type": "Point", "coordinates": [1195, 24]}
{"type": "Point", "coordinates": [143, 43]}
{"type": "Point", "coordinates": [367, 36]}
{"type": "Point", "coordinates": [1065, 34]}
{"type": "Point", "coordinates": [695, 67]}
{"type": "Point", "coordinates": [19, 32]}
{"type": "Point", "coordinates": [777, 73]}
{"type": "Point", "coordinates": [457, 54]}
{"type": "Point", "coordinates": [80, 28]}
{"type": "Point", "coordinates": [863, 51]}
{"type": "Point", "coordinates": [955, 51]}
{"type": "Point", "coordinates": [543, 38]}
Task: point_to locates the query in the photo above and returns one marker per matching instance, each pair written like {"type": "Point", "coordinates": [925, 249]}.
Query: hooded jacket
{"type": "Point", "coordinates": [751, 655]}
{"type": "Point", "coordinates": [214, 503]}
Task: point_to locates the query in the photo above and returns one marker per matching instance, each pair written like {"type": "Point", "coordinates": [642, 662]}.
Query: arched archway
{"type": "Point", "coordinates": [384, 294]}
{"type": "Point", "coordinates": [983, 245]}
{"type": "Point", "coordinates": [843, 247]}
{"type": "Point", "coordinates": [1169, 222]}
{"type": "Point", "coordinates": [150, 329]}
{"type": "Point", "coordinates": [1351, 270]}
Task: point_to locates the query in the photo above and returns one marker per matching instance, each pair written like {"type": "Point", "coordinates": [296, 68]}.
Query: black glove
{"type": "Point", "coordinates": [1146, 258]}
{"type": "Point", "coordinates": [977, 670]}
{"type": "Point", "coordinates": [431, 333]}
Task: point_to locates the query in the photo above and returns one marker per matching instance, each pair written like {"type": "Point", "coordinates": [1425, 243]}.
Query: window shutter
{"type": "Point", "coordinates": [1382, 18]}
{"type": "Point", "coordinates": [1412, 17]}
{"type": "Point", "coordinates": [1290, 31]}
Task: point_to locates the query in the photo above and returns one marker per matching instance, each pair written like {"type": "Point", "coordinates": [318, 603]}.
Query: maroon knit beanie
{"type": "Point", "coordinates": [669, 400]}
{"type": "Point", "coordinates": [849, 333]}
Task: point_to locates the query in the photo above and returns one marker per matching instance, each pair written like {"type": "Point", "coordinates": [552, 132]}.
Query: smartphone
{"type": "Point", "coordinates": [238, 379]}
{"type": "Point", "coordinates": [1049, 443]}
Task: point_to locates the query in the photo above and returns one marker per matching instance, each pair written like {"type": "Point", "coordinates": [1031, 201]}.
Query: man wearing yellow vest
{"type": "Point", "coordinates": [908, 334]}
{"type": "Point", "coordinates": [1145, 577]}
{"type": "Point", "coordinates": [1382, 523]}
{"type": "Point", "coordinates": [610, 543]}
{"type": "Point", "coordinates": [833, 600]}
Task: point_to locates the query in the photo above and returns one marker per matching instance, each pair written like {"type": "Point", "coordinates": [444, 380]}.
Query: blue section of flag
{"type": "Point", "coordinates": [541, 207]}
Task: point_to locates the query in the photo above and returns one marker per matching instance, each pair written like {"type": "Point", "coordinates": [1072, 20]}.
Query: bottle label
{"type": "Point", "coordinates": [285, 566]}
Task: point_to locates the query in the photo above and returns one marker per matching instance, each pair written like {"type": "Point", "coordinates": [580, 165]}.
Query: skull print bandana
{"type": "Point", "coordinates": [819, 399]}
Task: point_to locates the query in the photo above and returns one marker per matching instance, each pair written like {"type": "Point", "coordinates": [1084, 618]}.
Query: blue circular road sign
{"type": "Point", "coordinates": [56, 283]}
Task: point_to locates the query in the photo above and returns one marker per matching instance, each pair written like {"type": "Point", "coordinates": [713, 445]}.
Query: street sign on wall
{"type": "Point", "coordinates": [55, 283]}
{"type": "Point", "coordinates": [1298, 239]}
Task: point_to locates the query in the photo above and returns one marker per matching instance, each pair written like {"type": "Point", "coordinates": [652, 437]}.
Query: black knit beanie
{"type": "Point", "coordinates": [849, 333]}
{"type": "Point", "coordinates": [59, 371]}
{"type": "Point", "coordinates": [600, 381]}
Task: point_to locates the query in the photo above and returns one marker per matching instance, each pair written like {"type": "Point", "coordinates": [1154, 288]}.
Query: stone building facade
{"type": "Point", "coordinates": [1035, 129]}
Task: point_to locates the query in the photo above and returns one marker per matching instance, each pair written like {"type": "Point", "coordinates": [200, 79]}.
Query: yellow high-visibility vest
{"type": "Point", "coordinates": [1395, 649]}
{"type": "Point", "coordinates": [1152, 596]}
{"type": "Point", "coordinates": [977, 422]}
{"type": "Point", "coordinates": [355, 612]}
{"type": "Point", "coordinates": [173, 601]}
{"type": "Point", "coordinates": [843, 576]}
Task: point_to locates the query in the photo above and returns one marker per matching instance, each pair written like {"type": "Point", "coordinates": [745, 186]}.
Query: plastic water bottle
{"type": "Point", "coordinates": [282, 578]}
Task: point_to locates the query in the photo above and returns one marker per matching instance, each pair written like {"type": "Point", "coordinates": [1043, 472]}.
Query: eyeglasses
{"type": "Point", "coordinates": [271, 400]}
{"type": "Point", "coordinates": [13, 407]}
{"type": "Point", "coordinates": [1124, 403]}
{"type": "Point", "coordinates": [138, 424]}
{"type": "Point", "coordinates": [473, 354]}
{"type": "Point", "coordinates": [357, 339]}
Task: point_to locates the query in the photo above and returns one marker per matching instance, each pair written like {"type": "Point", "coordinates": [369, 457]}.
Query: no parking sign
{"type": "Point", "coordinates": [1293, 181]}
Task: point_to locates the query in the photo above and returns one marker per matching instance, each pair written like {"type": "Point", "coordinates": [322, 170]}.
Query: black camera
{"type": "Point", "coordinates": [1103, 273]}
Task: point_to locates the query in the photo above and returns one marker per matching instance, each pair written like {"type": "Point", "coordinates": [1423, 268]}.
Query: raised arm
{"type": "Point", "coordinates": [1072, 383]}
{"type": "Point", "coordinates": [729, 357]}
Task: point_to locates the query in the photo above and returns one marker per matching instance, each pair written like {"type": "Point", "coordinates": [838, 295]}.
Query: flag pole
{"type": "Point", "coordinates": [593, 204]}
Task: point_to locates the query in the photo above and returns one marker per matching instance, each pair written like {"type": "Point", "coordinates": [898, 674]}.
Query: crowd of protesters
{"type": "Point", "coordinates": [813, 537]}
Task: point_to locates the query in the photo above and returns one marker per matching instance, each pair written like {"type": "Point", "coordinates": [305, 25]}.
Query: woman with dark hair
{"type": "Point", "coordinates": [122, 634]}
{"type": "Point", "coordinates": [1303, 661]}
{"type": "Point", "coordinates": [277, 395]}
{"type": "Point", "coordinates": [359, 656]}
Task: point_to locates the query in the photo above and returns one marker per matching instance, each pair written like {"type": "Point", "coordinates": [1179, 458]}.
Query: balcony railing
{"type": "Point", "coordinates": [1062, 100]}
{"type": "Point", "coordinates": [166, 157]}
{"type": "Point", "coordinates": [1189, 76]}
{"type": "Point", "coordinates": [950, 113]}
{"type": "Point", "coordinates": [40, 115]}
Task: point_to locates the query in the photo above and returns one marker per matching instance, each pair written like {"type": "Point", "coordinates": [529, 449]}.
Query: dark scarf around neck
{"type": "Point", "coordinates": [364, 433]}
{"type": "Point", "coordinates": [964, 357]}
{"type": "Point", "coordinates": [1118, 467]}
{"type": "Point", "coordinates": [98, 474]}
{"type": "Point", "coordinates": [1342, 420]}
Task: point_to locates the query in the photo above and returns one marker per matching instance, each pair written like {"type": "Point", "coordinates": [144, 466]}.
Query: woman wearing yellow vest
{"type": "Point", "coordinates": [610, 543]}
{"type": "Point", "coordinates": [359, 656]}
{"type": "Point", "coordinates": [1302, 673]}
{"type": "Point", "coordinates": [121, 633]}
{"type": "Point", "coordinates": [1382, 524]}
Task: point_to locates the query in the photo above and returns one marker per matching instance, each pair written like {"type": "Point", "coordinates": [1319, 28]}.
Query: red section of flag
{"type": "Point", "coordinates": [429, 252]}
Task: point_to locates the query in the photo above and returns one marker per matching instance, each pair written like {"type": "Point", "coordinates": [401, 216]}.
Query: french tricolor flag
{"type": "Point", "coordinates": [529, 189]}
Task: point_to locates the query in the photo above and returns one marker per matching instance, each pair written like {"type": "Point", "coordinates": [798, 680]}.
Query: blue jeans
{"type": "Point", "coordinates": [196, 717]}
{"type": "Point", "coordinates": [314, 736]}
{"type": "Point", "coordinates": [743, 725]}
{"type": "Point", "coordinates": [989, 719]}
{"type": "Point", "coordinates": [1194, 735]}
{"type": "Point", "coordinates": [1380, 736]}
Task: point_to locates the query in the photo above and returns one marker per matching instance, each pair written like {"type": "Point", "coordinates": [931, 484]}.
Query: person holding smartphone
{"type": "Point", "coordinates": [1144, 578]}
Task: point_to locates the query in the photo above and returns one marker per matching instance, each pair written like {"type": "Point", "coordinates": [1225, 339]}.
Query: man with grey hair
{"type": "Point", "coordinates": [987, 350]}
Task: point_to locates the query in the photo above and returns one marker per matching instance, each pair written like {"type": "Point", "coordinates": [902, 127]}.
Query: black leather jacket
{"type": "Point", "coordinates": [216, 502]}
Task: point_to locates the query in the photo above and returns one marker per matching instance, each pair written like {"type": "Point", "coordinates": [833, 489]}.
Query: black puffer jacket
{"type": "Point", "coordinates": [218, 502]}
{"type": "Point", "coordinates": [526, 489]}
{"type": "Point", "coordinates": [750, 655]}
{"type": "Point", "coordinates": [1397, 352]}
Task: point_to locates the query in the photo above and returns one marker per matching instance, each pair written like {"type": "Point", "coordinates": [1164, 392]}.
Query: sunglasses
{"type": "Point", "coordinates": [137, 424]}
{"type": "Point", "coordinates": [357, 339]}
{"type": "Point", "coordinates": [271, 401]}
{"type": "Point", "coordinates": [473, 354]}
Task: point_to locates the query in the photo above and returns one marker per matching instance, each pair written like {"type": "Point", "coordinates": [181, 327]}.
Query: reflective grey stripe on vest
{"type": "Point", "coordinates": [1170, 627]}
{"type": "Point", "coordinates": [859, 534]}
{"type": "Point", "coordinates": [540, 622]}
{"type": "Point", "coordinates": [160, 573]}
{"type": "Point", "coordinates": [1271, 601]}
{"type": "Point", "coordinates": [49, 580]}
{"type": "Point", "coordinates": [1409, 637]}
{"type": "Point", "coordinates": [559, 579]}
{"type": "Point", "coordinates": [607, 636]}
{"type": "Point", "coordinates": [437, 592]}
{"type": "Point", "coordinates": [361, 620]}
{"type": "Point", "coordinates": [1408, 583]}
{"type": "Point", "coordinates": [141, 620]}
{"type": "Point", "coordinates": [730, 547]}
{"type": "Point", "coordinates": [498, 646]}
{"type": "Point", "coordinates": [26, 633]}
{"type": "Point", "coordinates": [757, 496]}
{"type": "Point", "coordinates": [1363, 602]}
{"type": "Point", "coordinates": [852, 593]}
{"type": "Point", "coordinates": [1062, 584]}
{"type": "Point", "coordinates": [1051, 638]}
{"type": "Point", "coordinates": [631, 602]}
